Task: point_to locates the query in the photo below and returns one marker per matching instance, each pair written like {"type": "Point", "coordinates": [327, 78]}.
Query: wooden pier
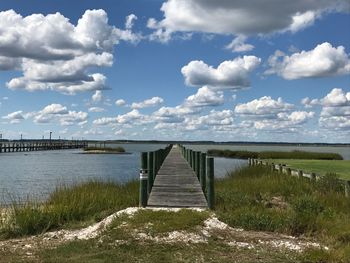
{"type": "Point", "coordinates": [177, 182]}
{"type": "Point", "coordinates": [39, 145]}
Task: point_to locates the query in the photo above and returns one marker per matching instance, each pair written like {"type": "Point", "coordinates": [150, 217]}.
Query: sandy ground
{"type": "Point", "coordinates": [212, 226]}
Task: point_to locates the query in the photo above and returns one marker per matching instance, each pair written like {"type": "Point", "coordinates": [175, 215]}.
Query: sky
{"type": "Point", "coordinates": [215, 70]}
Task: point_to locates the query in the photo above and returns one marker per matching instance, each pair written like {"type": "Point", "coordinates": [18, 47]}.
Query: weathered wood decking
{"type": "Point", "coordinates": [176, 184]}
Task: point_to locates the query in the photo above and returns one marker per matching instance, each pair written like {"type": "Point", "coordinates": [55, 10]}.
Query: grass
{"type": "Point", "coordinates": [341, 168]}
{"type": "Point", "coordinates": [257, 199]}
{"type": "Point", "coordinates": [105, 149]}
{"type": "Point", "coordinates": [69, 207]}
{"type": "Point", "coordinates": [275, 155]}
{"type": "Point", "coordinates": [159, 223]}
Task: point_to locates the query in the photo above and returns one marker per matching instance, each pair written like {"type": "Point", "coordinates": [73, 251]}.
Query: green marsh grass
{"type": "Point", "coordinates": [69, 206]}
{"type": "Point", "coordinates": [256, 198]}
{"type": "Point", "coordinates": [340, 167]}
{"type": "Point", "coordinates": [275, 155]}
{"type": "Point", "coordinates": [106, 149]}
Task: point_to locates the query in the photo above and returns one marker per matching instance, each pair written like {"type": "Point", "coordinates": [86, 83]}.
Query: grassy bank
{"type": "Point", "coordinates": [341, 168]}
{"type": "Point", "coordinates": [256, 198]}
{"type": "Point", "coordinates": [104, 150]}
{"type": "Point", "coordinates": [68, 207]}
{"type": "Point", "coordinates": [275, 155]}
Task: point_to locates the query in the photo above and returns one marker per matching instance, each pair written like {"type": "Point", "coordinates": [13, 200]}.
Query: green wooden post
{"type": "Point", "coordinates": [150, 172]}
{"type": "Point", "coordinates": [154, 165]}
{"type": "Point", "coordinates": [289, 171]}
{"type": "Point", "coordinates": [191, 158]}
{"type": "Point", "coordinates": [347, 188]}
{"type": "Point", "coordinates": [143, 180]}
{"type": "Point", "coordinates": [203, 171]}
{"type": "Point", "coordinates": [280, 168]}
{"type": "Point", "coordinates": [210, 183]}
{"type": "Point", "coordinates": [194, 161]}
{"type": "Point", "coordinates": [313, 177]}
{"type": "Point", "coordinates": [300, 173]}
{"type": "Point", "coordinates": [272, 167]}
{"type": "Point", "coordinates": [198, 164]}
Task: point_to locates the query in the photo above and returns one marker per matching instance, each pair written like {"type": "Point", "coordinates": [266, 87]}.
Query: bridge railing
{"type": "Point", "coordinates": [151, 162]}
{"type": "Point", "coordinates": [203, 167]}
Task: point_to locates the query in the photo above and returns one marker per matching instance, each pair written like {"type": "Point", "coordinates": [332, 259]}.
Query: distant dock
{"type": "Point", "coordinates": [39, 145]}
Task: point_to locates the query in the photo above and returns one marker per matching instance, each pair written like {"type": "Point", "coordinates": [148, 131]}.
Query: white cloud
{"type": "Point", "coordinates": [174, 114]}
{"type": "Point", "coordinates": [132, 117]}
{"type": "Point", "coordinates": [302, 20]}
{"type": "Point", "coordinates": [14, 117]}
{"type": "Point", "coordinates": [120, 102]}
{"type": "Point", "coordinates": [322, 61]}
{"type": "Point", "coordinates": [59, 113]}
{"type": "Point", "coordinates": [336, 98]}
{"type": "Point", "coordinates": [335, 112]}
{"type": "Point", "coordinates": [309, 103]}
{"type": "Point", "coordinates": [238, 44]}
{"type": "Point", "coordinates": [231, 74]}
{"type": "Point", "coordinates": [240, 17]}
{"type": "Point", "coordinates": [54, 109]}
{"type": "Point", "coordinates": [263, 107]}
{"type": "Point", "coordinates": [54, 54]}
{"type": "Point", "coordinates": [155, 101]}
{"type": "Point", "coordinates": [205, 97]}
{"type": "Point", "coordinates": [129, 21]}
{"type": "Point", "coordinates": [105, 121]}
{"type": "Point", "coordinates": [97, 97]}
{"type": "Point", "coordinates": [96, 109]}
{"type": "Point", "coordinates": [285, 122]}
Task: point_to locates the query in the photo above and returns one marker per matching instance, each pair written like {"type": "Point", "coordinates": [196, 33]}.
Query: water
{"type": "Point", "coordinates": [35, 175]}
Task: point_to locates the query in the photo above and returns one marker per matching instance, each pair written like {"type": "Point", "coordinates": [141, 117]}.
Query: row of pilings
{"type": "Point", "coordinates": [40, 145]}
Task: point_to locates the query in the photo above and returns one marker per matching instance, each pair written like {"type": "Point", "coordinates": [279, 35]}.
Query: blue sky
{"type": "Point", "coordinates": [183, 70]}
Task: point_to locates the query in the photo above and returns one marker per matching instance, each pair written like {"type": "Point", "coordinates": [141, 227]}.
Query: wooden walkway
{"type": "Point", "coordinates": [176, 184]}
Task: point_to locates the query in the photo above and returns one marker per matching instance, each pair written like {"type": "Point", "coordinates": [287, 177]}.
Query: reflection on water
{"type": "Point", "coordinates": [36, 174]}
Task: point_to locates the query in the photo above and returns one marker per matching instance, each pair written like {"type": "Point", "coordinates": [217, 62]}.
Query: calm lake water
{"type": "Point", "coordinates": [35, 174]}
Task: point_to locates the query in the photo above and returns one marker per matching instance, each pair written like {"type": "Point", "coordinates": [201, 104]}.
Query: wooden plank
{"type": "Point", "coordinates": [176, 184]}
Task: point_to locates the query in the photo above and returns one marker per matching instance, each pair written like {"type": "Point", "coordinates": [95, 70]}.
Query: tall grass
{"type": "Point", "coordinates": [69, 205]}
{"type": "Point", "coordinates": [275, 155]}
{"type": "Point", "coordinates": [107, 149]}
{"type": "Point", "coordinates": [256, 198]}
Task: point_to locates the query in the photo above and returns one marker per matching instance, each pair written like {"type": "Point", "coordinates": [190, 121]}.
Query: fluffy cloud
{"type": "Point", "coordinates": [174, 114]}
{"type": "Point", "coordinates": [132, 117]}
{"type": "Point", "coordinates": [14, 117]}
{"type": "Point", "coordinates": [285, 122]}
{"type": "Point", "coordinates": [231, 74]}
{"type": "Point", "coordinates": [96, 109]}
{"type": "Point", "coordinates": [120, 102]}
{"type": "Point", "coordinates": [205, 97]}
{"type": "Point", "coordinates": [325, 60]}
{"type": "Point", "coordinates": [238, 44]}
{"type": "Point", "coordinates": [54, 54]}
{"type": "Point", "coordinates": [155, 101]}
{"type": "Point", "coordinates": [97, 97]}
{"type": "Point", "coordinates": [263, 107]}
{"type": "Point", "coordinates": [335, 112]}
{"type": "Point", "coordinates": [240, 17]}
{"type": "Point", "coordinates": [59, 113]}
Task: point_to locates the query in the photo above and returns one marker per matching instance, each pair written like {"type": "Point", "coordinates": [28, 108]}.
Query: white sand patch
{"type": "Point", "coordinates": [298, 246]}
{"type": "Point", "coordinates": [95, 229]}
{"type": "Point", "coordinates": [173, 237]}
{"type": "Point", "coordinates": [241, 245]}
